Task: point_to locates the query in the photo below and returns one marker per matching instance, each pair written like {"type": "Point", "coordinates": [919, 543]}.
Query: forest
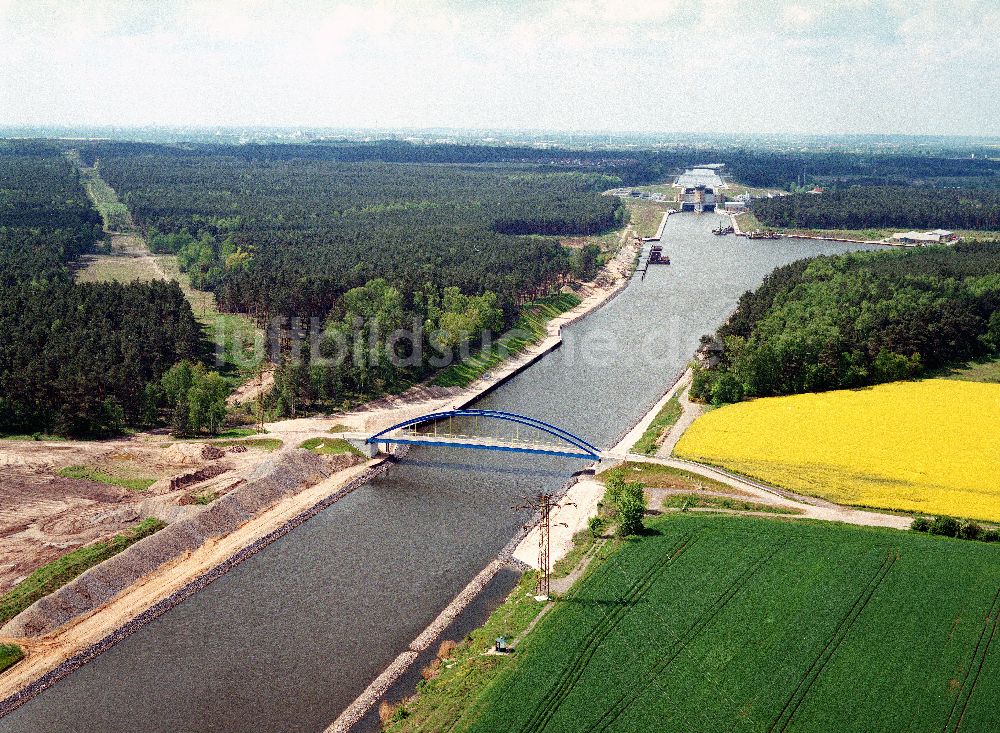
{"type": "Point", "coordinates": [291, 237]}
{"type": "Point", "coordinates": [858, 319]}
{"type": "Point", "coordinates": [862, 207]}
{"type": "Point", "coordinates": [75, 359]}
{"type": "Point", "coordinates": [754, 167]}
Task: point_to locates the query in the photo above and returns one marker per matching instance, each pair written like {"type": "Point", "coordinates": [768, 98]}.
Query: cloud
{"type": "Point", "coordinates": [758, 65]}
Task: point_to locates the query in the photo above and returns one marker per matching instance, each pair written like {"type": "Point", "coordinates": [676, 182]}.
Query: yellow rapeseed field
{"type": "Point", "coordinates": [931, 446]}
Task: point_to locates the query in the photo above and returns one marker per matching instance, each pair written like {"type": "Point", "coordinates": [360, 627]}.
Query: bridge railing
{"type": "Point", "coordinates": [586, 448]}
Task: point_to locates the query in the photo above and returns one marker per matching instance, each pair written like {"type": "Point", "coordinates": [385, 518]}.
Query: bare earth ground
{"type": "Point", "coordinates": [48, 650]}
{"type": "Point", "coordinates": [43, 515]}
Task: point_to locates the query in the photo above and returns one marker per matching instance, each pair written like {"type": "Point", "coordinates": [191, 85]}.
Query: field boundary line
{"type": "Point", "coordinates": [829, 649]}
{"type": "Point", "coordinates": [989, 623]}
{"type": "Point", "coordinates": [555, 696]}
{"type": "Point", "coordinates": [625, 701]}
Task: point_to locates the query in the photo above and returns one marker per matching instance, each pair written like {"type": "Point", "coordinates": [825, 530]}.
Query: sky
{"type": "Point", "coordinates": [756, 66]}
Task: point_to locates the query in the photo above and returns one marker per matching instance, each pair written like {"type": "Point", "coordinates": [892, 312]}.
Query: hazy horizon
{"type": "Point", "coordinates": [590, 67]}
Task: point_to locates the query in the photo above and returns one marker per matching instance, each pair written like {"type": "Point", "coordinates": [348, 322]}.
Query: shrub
{"type": "Point", "coordinates": [613, 488]}
{"type": "Point", "coordinates": [702, 383]}
{"type": "Point", "coordinates": [630, 513]}
{"type": "Point", "coordinates": [921, 524]}
{"type": "Point", "coordinates": [726, 389]}
{"type": "Point", "coordinates": [970, 531]}
{"type": "Point", "coordinates": [627, 500]}
{"type": "Point", "coordinates": [945, 526]}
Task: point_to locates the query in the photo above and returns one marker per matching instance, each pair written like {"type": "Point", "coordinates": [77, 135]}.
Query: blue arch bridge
{"type": "Point", "coordinates": [520, 434]}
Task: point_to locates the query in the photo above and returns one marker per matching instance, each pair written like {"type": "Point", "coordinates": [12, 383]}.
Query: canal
{"type": "Point", "coordinates": [290, 637]}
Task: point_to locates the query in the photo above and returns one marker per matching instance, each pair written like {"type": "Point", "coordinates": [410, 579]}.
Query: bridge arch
{"type": "Point", "coordinates": [582, 448]}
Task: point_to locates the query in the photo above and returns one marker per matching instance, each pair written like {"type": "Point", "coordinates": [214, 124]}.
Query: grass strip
{"type": "Point", "coordinates": [52, 576]}
{"type": "Point", "coordinates": [691, 501]}
{"type": "Point", "coordinates": [266, 444]}
{"type": "Point", "coordinates": [446, 690]}
{"type": "Point", "coordinates": [103, 477]}
{"type": "Point", "coordinates": [664, 420]}
{"type": "Point", "coordinates": [657, 476]}
{"type": "Point", "coordinates": [329, 447]}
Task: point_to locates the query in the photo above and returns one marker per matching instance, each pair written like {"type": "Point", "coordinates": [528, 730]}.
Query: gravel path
{"type": "Point", "coordinates": [690, 412]}
{"type": "Point", "coordinates": [810, 508]}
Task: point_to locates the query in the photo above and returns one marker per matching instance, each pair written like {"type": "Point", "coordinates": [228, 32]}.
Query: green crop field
{"type": "Point", "coordinates": [738, 624]}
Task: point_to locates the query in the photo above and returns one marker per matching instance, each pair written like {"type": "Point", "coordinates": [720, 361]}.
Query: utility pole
{"type": "Point", "coordinates": [544, 538]}
{"type": "Point", "coordinates": [543, 503]}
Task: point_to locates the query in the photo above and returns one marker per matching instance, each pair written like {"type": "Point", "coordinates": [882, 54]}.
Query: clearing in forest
{"type": "Point", "coordinates": [925, 446]}
{"type": "Point", "coordinates": [238, 341]}
{"type": "Point", "coordinates": [725, 623]}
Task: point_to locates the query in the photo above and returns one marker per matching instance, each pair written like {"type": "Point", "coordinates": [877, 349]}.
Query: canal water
{"type": "Point", "coordinates": [290, 637]}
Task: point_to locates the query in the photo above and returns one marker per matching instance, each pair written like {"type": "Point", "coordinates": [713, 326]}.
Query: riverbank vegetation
{"type": "Point", "coordinates": [817, 600]}
{"type": "Point", "coordinates": [925, 446]}
{"type": "Point", "coordinates": [648, 444]}
{"type": "Point", "coordinates": [54, 575]}
{"type": "Point", "coordinates": [529, 328]}
{"type": "Point", "coordinates": [866, 207]}
{"type": "Point", "coordinates": [464, 669]}
{"type": "Point", "coordinates": [858, 319]}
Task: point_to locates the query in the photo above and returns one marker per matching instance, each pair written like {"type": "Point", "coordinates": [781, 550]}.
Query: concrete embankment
{"type": "Point", "coordinates": [509, 555]}
{"type": "Point", "coordinates": [257, 505]}
{"type": "Point", "coordinates": [740, 233]}
{"type": "Point", "coordinates": [663, 225]}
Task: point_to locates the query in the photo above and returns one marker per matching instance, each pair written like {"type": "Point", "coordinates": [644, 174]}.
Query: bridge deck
{"type": "Point", "coordinates": [480, 442]}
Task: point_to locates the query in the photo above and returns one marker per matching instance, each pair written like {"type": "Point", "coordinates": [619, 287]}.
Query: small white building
{"type": "Point", "coordinates": [932, 237]}
{"type": "Point", "coordinates": [736, 206]}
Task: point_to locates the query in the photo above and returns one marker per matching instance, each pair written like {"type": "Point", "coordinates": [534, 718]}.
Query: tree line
{"type": "Point", "coordinates": [76, 359]}
{"type": "Point", "coordinates": [293, 236]}
{"type": "Point", "coordinates": [861, 207]}
{"type": "Point", "coordinates": [755, 167]}
{"type": "Point", "coordinates": [858, 319]}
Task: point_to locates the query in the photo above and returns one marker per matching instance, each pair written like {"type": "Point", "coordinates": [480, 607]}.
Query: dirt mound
{"type": "Point", "coordinates": [272, 480]}
{"type": "Point", "coordinates": [184, 454]}
{"type": "Point", "coordinates": [210, 453]}
{"type": "Point", "coordinates": [196, 477]}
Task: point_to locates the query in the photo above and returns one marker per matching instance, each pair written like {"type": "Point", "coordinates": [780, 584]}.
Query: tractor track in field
{"type": "Point", "coordinates": [625, 701]}
{"type": "Point", "coordinates": [571, 675]}
{"type": "Point", "coordinates": [979, 652]}
{"type": "Point", "coordinates": [840, 632]}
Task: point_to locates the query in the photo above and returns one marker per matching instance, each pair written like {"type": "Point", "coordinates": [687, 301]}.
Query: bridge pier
{"type": "Point", "coordinates": [370, 450]}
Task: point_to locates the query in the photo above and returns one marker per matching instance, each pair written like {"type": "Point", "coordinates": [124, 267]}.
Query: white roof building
{"type": "Point", "coordinates": [932, 237]}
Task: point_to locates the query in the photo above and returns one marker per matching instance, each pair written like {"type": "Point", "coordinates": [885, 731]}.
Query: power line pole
{"type": "Point", "coordinates": [542, 502]}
